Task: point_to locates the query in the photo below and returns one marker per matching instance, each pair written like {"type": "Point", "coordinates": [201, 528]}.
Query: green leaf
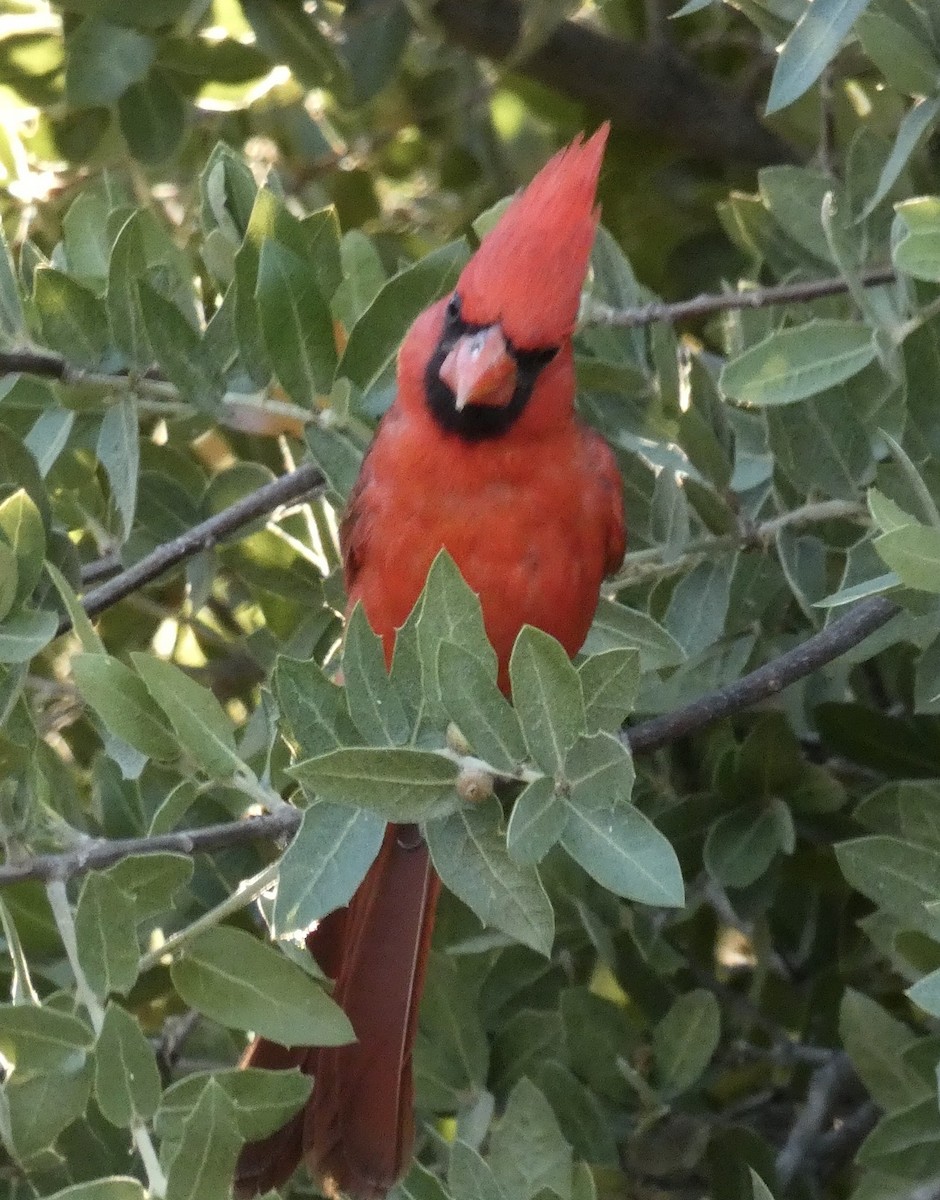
{"type": "Point", "coordinates": [897, 875]}
{"type": "Point", "coordinates": [200, 722]}
{"type": "Point", "coordinates": [121, 700]}
{"type": "Point", "coordinates": [41, 1106]}
{"type": "Point", "coordinates": [152, 116]}
{"type": "Point", "coordinates": [296, 324]}
{"type": "Point", "coordinates": [741, 846]}
{"type": "Point", "coordinates": [398, 784]}
{"type": "Point", "coordinates": [118, 452]}
{"type": "Point", "coordinates": [821, 445]}
{"type": "Point", "coordinates": [12, 317]}
{"type": "Point", "coordinates": [794, 364]}
{"type": "Point", "coordinates": [103, 60]}
{"type": "Point", "coordinates": [536, 823]}
{"type": "Point", "coordinates": [909, 63]}
{"type": "Point", "coordinates": [795, 197]}
{"type": "Point", "coordinates": [698, 606]}
{"type": "Point", "coordinates": [22, 636]}
{"type": "Point", "coordinates": [39, 1039]}
{"type": "Point", "coordinates": [152, 879]}
{"type": "Point", "coordinates": [915, 124]}
{"type": "Point", "coordinates": [21, 527]}
{"type": "Point", "coordinates": [107, 936]}
{"type": "Point", "coordinates": [599, 772]}
{"type": "Point", "coordinates": [310, 703]}
{"type": "Point", "coordinates": [610, 682]}
{"type": "Point", "coordinates": [287, 34]}
{"type": "Point", "coordinates": [263, 1100]}
{"type": "Point", "coordinates": [916, 238]}
{"type": "Point", "coordinates": [9, 578]}
{"type": "Point", "coordinates": [876, 1041]}
{"type": "Point", "coordinates": [204, 1163]}
{"type": "Point", "coordinates": [905, 1143]}
{"type": "Point", "coordinates": [913, 553]}
{"type": "Point", "coordinates": [469, 1177]}
{"type": "Point", "coordinates": [49, 436]}
{"type": "Point", "coordinates": [811, 46]}
{"type": "Point", "coordinates": [180, 351]}
{"type": "Point", "coordinates": [234, 979]}
{"type": "Point", "coordinates": [926, 993]}
{"type": "Point", "coordinates": [685, 1040]}
{"type": "Point", "coordinates": [338, 455]}
{"type": "Point", "coordinates": [618, 627]}
{"type": "Point", "coordinates": [73, 319]}
{"type": "Point", "coordinates": [527, 1150]}
{"type": "Point", "coordinates": [324, 864]}
{"type": "Point", "coordinates": [363, 279]}
{"type": "Point", "coordinates": [127, 1081]}
{"type": "Point", "coordinates": [478, 708]}
{"type": "Point", "coordinates": [374, 704]}
{"type": "Point", "coordinates": [547, 697]}
{"type": "Point", "coordinates": [625, 852]}
{"type": "Point", "coordinates": [116, 1187]}
{"type": "Point", "coordinates": [759, 1189]}
{"type": "Point", "coordinates": [449, 611]}
{"type": "Point", "coordinates": [126, 266]}
{"type": "Point", "coordinates": [377, 335]}
{"type": "Point", "coordinates": [669, 516]}
{"type": "Point", "coordinates": [469, 853]}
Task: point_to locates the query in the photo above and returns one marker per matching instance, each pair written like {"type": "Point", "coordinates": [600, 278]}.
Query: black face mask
{"type": "Point", "coordinates": [477, 422]}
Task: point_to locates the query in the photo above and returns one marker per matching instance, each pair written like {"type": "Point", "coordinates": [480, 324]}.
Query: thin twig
{"type": "Point", "coordinates": [65, 922]}
{"type": "Point", "coordinates": [641, 564]}
{"type": "Point", "coordinates": [823, 1090]}
{"type": "Point", "coordinates": [706, 305]}
{"type": "Point", "coordinates": [247, 891]}
{"type": "Point", "coordinates": [166, 397]}
{"type": "Point", "coordinates": [837, 1146]}
{"type": "Point", "coordinates": [840, 635]}
{"type": "Point", "coordinates": [206, 534]}
{"type": "Point", "coordinates": [96, 854]}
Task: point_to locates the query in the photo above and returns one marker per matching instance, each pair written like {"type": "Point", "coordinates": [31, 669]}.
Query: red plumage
{"type": "Point", "coordinates": [480, 454]}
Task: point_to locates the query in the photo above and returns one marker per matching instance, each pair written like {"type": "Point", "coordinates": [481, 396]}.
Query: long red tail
{"type": "Point", "coordinates": [357, 1130]}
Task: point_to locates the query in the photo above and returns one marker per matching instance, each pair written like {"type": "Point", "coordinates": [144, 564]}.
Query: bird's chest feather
{"type": "Point", "coordinates": [516, 519]}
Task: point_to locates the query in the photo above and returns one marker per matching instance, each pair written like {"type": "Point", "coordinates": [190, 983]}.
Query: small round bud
{"type": "Point", "coordinates": [474, 786]}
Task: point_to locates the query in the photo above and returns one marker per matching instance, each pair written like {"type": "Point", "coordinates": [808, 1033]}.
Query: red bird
{"type": "Point", "coordinates": [481, 454]}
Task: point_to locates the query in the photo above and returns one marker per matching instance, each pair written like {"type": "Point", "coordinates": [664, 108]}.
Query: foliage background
{"type": "Point", "coordinates": [220, 217]}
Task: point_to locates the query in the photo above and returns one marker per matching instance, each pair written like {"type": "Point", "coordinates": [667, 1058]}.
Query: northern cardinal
{"type": "Point", "coordinates": [480, 453]}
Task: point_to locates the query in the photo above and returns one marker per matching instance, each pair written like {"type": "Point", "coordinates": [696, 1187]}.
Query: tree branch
{"type": "Point", "coordinates": [707, 305]}
{"type": "Point", "coordinates": [166, 398]}
{"type": "Point", "coordinates": [95, 854]}
{"type": "Point", "coordinates": [292, 486]}
{"type": "Point", "coordinates": [640, 565]}
{"type": "Point", "coordinates": [823, 1090]}
{"type": "Point", "coordinates": [839, 636]}
{"type": "Point", "coordinates": [650, 88]}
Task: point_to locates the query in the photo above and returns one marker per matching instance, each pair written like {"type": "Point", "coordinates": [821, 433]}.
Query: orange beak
{"type": "Point", "coordinates": [480, 369]}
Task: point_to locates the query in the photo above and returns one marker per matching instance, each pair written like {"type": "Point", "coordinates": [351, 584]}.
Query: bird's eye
{"type": "Point", "coordinates": [453, 308]}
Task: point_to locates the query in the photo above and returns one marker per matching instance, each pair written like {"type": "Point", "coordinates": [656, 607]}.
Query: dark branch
{"type": "Point", "coordinates": [100, 853]}
{"type": "Point", "coordinates": [842, 635]}
{"type": "Point", "coordinates": [33, 362]}
{"type": "Point", "coordinates": [641, 88]}
{"type": "Point", "coordinates": [293, 486]}
{"type": "Point", "coordinates": [824, 1088]}
{"type": "Point", "coordinates": [839, 636]}
{"type": "Point", "coordinates": [707, 305]}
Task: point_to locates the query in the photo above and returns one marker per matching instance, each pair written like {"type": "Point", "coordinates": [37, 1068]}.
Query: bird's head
{"type": "Point", "coordinates": [516, 303]}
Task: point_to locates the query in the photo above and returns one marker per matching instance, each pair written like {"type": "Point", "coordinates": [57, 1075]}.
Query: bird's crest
{"type": "Point", "coordinates": [529, 268]}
